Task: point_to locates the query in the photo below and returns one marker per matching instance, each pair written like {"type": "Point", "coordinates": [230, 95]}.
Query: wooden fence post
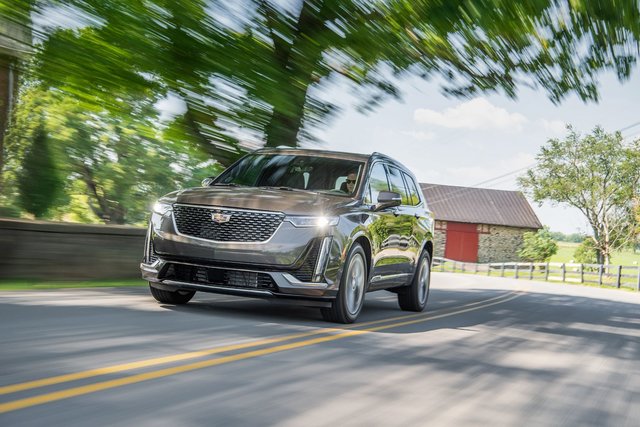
{"type": "Point", "coordinates": [546, 272]}
{"type": "Point", "coordinates": [516, 264]}
{"type": "Point", "coordinates": [564, 271]}
{"type": "Point", "coordinates": [619, 276]}
{"type": "Point", "coordinates": [502, 270]}
{"type": "Point", "coordinates": [600, 271]}
{"type": "Point", "coordinates": [489, 269]}
{"type": "Point", "coordinates": [581, 273]}
{"type": "Point", "coordinates": [442, 264]}
{"type": "Point", "coordinates": [530, 271]}
{"type": "Point", "coordinates": [475, 268]}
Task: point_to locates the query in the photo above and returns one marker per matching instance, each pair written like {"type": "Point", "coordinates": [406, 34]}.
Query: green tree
{"type": "Point", "coordinates": [256, 73]}
{"type": "Point", "coordinates": [39, 183]}
{"type": "Point", "coordinates": [587, 252]}
{"type": "Point", "coordinates": [599, 174]}
{"type": "Point", "coordinates": [116, 166]}
{"type": "Point", "coordinates": [538, 246]}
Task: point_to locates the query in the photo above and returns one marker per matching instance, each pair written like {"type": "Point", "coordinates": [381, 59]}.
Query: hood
{"type": "Point", "coordinates": [291, 202]}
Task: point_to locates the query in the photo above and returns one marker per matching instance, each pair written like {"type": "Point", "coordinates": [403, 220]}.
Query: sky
{"type": "Point", "coordinates": [474, 142]}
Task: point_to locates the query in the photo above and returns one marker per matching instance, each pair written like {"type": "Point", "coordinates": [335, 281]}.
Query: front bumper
{"type": "Point", "coordinates": [202, 277]}
{"type": "Point", "coordinates": [301, 270]}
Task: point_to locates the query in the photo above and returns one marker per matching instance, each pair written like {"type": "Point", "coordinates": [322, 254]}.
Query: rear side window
{"type": "Point", "coordinates": [397, 184]}
{"type": "Point", "coordinates": [414, 198]}
{"type": "Point", "coordinates": [377, 183]}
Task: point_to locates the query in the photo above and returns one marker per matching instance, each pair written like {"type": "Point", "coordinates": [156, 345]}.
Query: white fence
{"type": "Point", "coordinates": [618, 276]}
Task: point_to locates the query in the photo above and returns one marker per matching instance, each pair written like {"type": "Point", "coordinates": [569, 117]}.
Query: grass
{"type": "Point", "coordinates": [15, 285]}
{"type": "Point", "coordinates": [624, 257]}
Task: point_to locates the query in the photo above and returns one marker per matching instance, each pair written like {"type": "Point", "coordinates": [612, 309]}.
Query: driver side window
{"type": "Point", "coordinates": [377, 183]}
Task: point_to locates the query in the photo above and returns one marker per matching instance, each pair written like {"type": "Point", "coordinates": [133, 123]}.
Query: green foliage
{"type": "Point", "coordinates": [599, 175]}
{"type": "Point", "coordinates": [116, 165]}
{"type": "Point", "coordinates": [39, 183]}
{"type": "Point", "coordinates": [586, 252]}
{"type": "Point", "coordinates": [256, 72]}
{"type": "Point", "coordinates": [538, 246]}
{"type": "Point", "coordinates": [573, 237]}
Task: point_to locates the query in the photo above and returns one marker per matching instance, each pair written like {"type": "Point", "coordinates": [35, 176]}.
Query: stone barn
{"type": "Point", "coordinates": [479, 224]}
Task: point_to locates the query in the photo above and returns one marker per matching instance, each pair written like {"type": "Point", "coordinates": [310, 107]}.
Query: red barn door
{"type": "Point", "coordinates": [462, 242]}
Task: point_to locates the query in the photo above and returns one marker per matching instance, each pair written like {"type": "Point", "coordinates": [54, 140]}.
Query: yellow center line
{"type": "Point", "coordinates": [104, 385]}
{"type": "Point", "coordinates": [200, 353]}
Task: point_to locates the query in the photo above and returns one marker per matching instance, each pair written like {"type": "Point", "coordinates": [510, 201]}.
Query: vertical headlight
{"type": "Point", "coordinates": [162, 208]}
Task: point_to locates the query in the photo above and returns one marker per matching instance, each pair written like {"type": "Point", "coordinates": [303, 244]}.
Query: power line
{"type": "Point", "coordinates": [628, 127]}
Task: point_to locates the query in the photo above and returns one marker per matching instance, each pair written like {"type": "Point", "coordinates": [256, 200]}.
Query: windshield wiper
{"type": "Point", "coordinates": [226, 184]}
{"type": "Point", "coordinates": [285, 188]}
{"type": "Point", "coordinates": [278, 187]}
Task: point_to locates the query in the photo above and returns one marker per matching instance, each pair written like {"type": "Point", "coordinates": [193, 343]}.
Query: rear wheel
{"type": "Point", "coordinates": [414, 297]}
{"type": "Point", "coordinates": [350, 299]}
{"type": "Point", "coordinates": [171, 297]}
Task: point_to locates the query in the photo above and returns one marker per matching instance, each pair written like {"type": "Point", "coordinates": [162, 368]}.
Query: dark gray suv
{"type": "Point", "coordinates": [316, 228]}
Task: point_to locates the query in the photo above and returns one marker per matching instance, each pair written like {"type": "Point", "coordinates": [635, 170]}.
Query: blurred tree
{"type": "Point", "coordinates": [15, 44]}
{"type": "Point", "coordinates": [573, 237]}
{"type": "Point", "coordinates": [598, 174]}
{"type": "Point", "coordinates": [39, 182]}
{"type": "Point", "coordinates": [116, 165]}
{"type": "Point", "coordinates": [538, 246]}
{"type": "Point", "coordinates": [254, 72]}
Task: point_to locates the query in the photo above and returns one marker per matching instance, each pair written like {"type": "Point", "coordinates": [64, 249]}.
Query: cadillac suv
{"type": "Point", "coordinates": [316, 228]}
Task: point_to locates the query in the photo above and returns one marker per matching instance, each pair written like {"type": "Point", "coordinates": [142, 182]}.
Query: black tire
{"type": "Point", "coordinates": [350, 298]}
{"type": "Point", "coordinates": [171, 297]}
{"type": "Point", "coordinates": [414, 297]}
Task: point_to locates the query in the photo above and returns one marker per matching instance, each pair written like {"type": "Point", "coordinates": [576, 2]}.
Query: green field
{"type": "Point", "coordinates": [566, 250]}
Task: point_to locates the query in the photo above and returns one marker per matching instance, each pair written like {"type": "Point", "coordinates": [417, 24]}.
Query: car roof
{"type": "Point", "coordinates": [318, 153]}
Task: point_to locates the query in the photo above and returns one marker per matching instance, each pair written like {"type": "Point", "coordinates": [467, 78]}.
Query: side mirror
{"type": "Point", "coordinates": [208, 180]}
{"type": "Point", "coordinates": [388, 199]}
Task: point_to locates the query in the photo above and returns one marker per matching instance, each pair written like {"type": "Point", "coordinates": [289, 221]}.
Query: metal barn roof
{"type": "Point", "coordinates": [480, 206]}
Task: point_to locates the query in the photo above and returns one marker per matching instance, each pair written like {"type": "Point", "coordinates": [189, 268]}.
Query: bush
{"type": "Point", "coordinates": [586, 253]}
{"type": "Point", "coordinates": [538, 247]}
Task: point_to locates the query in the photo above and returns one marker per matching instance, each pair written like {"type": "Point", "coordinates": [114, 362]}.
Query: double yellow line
{"type": "Point", "coordinates": [327, 334]}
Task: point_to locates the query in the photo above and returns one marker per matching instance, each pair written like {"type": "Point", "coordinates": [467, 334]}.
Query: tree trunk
{"type": "Point", "coordinates": [286, 121]}
{"type": "Point", "coordinates": [297, 62]}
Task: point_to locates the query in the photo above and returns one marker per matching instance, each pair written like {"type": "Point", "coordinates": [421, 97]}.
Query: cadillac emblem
{"type": "Point", "coordinates": [220, 218]}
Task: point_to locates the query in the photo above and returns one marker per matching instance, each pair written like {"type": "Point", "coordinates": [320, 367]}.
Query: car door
{"type": "Point", "coordinates": [405, 221]}
{"type": "Point", "coordinates": [388, 256]}
{"type": "Point", "coordinates": [422, 218]}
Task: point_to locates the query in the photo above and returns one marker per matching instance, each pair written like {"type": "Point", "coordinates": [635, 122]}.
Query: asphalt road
{"type": "Point", "coordinates": [488, 351]}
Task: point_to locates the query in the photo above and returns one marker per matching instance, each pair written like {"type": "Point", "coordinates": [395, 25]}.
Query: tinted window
{"type": "Point", "coordinates": [397, 184]}
{"type": "Point", "coordinates": [302, 172]}
{"type": "Point", "coordinates": [414, 199]}
{"type": "Point", "coordinates": [377, 183]}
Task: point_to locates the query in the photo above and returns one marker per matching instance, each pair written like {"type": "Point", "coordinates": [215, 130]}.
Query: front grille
{"type": "Point", "coordinates": [242, 226]}
{"type": "Point", "coordinates": [219, 277]}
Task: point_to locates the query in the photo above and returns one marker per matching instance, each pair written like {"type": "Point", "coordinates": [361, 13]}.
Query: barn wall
{"type": "Point", "coordinates": [501, 244]}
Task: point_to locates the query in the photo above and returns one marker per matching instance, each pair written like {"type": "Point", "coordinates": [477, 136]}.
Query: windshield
{"type": "Point", "coordinates": [336, 176]}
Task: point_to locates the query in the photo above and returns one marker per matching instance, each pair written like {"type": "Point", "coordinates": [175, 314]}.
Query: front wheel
{"type": "Point", "coordinates": [415, 296]}
{"type": "Point", "coordinates": [171, 297]}
{"type": "Point", "coordinates": [350, 299]}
